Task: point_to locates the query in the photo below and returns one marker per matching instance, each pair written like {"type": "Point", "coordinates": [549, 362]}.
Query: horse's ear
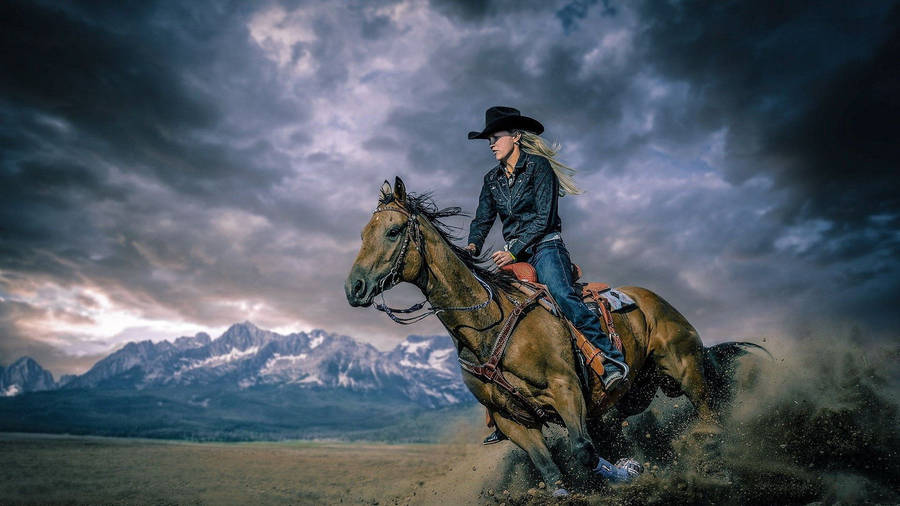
{"type": "Point", "coordinates": [399, 190]}
{"type": "Point", "coordinates": [386, 192]}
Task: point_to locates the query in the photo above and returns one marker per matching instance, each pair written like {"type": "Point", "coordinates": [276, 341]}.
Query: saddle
{"type": "Point", "coordinates": [491, 371]}
{"type": "Point", "coordinates": [524, 271]}
{"type": "Point", "coordinates": [596, 297]}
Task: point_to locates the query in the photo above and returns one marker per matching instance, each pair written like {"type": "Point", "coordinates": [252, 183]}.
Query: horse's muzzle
{"type": "Point", "coordinates": [359, 292]}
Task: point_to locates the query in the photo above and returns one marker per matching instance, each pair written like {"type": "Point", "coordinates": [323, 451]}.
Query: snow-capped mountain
{"type": "Point", "coordinates": [420, 369]}
{"type": "Point", "coordinates": [248, 384]}
{"type": "Point", "coordinates": [429, 362]}
{"type": "Point", "coordinates": [24, 375]}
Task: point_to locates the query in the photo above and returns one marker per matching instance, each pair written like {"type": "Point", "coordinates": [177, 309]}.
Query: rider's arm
{"type": "Point", "coordinates": [484, 218]}
{"type": "Point", "coordinates": [546, 189]}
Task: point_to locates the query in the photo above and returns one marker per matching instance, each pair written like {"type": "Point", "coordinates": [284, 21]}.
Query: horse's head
{"type": "Point", "coordinates": [390, 251]}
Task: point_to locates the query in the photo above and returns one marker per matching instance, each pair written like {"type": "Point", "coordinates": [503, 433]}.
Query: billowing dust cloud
{"type": "Point", "coordinates": [818, 421]}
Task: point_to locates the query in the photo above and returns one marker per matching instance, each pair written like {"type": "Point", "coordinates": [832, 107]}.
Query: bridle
{"type": "Point", "coordinates": [490, 371]}
{"type": "Point", "coordinates": [392, 278]}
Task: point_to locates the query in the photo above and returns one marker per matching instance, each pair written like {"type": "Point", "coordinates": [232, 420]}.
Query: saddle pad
{"type": "Point", "coordinates": [618, 301]}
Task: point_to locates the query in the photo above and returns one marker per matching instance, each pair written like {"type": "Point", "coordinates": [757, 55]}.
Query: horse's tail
{"type": "Point", "coordinates": [719, 364]}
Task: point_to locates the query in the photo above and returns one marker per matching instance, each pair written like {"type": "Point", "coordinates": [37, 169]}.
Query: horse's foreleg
{"type": "Point", "coordinates": [532, 441]}
{"type": "Point", "coordinates": [569, 403]}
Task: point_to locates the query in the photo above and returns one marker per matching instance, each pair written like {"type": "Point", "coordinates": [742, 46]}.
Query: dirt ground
{"type": "Point", "coordinates": [40, 469]}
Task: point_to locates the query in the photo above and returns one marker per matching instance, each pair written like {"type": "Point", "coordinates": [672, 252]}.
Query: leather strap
{"type": "Point", "coordinates": [593, 290]}
{"type": "Point", "coordinates": [491, 371]}
{"type": "Point", "coordinates": [593, 357]}
{"type": "Point", "coordinates": [588, 350]}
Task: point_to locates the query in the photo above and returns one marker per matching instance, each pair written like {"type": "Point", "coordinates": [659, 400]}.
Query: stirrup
{"type": "Point", "coordinates": [616, 379]}
{"type": "Point", "coordinates": [613, 380]}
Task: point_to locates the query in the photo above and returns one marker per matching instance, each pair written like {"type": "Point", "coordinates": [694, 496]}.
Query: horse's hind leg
{"type": "Point", "coordinates": [693, 383]}
{"type": "Point", "coordinates": [681, 358]}
{"type": "Point", "coordinates": [532, 441]}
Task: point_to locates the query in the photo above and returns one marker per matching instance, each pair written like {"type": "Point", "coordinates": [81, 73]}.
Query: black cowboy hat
{"type": "Point", "coordinates": [499, 118]}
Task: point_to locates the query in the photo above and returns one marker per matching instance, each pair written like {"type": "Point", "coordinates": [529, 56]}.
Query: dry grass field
{"type": "Point", "coordinates": [816, 430]}
{"type": "Point", "coordinates": [89, 470]}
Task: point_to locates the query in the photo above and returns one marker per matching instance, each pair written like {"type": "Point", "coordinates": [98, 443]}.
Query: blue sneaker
{"type": "Point", "coordinates": [623, 472]}
{"type": "Point", "coordinates": [631, 466]}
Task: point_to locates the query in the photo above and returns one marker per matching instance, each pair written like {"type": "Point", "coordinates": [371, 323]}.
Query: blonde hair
{"type": "Point", "coordinates": [537, 145]}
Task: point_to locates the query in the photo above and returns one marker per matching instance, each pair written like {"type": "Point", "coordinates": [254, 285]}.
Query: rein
{"type": "Point", "coordinates": [414, 235]}
{"type": "Point", "coordinates": [490, 371]}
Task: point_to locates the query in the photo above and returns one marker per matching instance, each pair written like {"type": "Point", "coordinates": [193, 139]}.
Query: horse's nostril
{"type": "Point", "coordinates": [358, 288]}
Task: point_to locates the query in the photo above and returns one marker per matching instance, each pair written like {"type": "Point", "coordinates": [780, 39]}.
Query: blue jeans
{"type": "Point", "coordinates": [554, 269]}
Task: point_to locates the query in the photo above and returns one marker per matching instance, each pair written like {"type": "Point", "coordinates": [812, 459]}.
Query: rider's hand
{"type": "Point", "coordinates": [502, 258]}
{"type": "Point", "coordinates": [471, 249]}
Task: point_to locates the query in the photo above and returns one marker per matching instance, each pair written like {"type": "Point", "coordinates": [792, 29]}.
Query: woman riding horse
{"type": "Point", "coordinates": [524, 190]}
{"type": "Point", "coordinates": [515, 352]}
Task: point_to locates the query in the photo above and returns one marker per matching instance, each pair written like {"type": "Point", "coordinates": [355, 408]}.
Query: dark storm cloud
{"type": "Point", "coordinates": [807, 93]}
{"type": "Point", "coordinates": [465, 10]}
{"type": "Point", "coordinates": [213, 162]}
{"type": "Point", "coordinates": [550, 78]}
{"type": "Point", "coordinates": [126, 129]}
{"type": "Point", "coordinates": [571, 13]}
{"type": "Point", "coordinates": [142, 88]}
{"type": "Point", "coordinates": [807, 89]}
{"type": "Point", "coordinates": [802, 97]}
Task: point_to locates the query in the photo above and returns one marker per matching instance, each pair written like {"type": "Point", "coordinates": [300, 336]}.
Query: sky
{"type": "Point", "coordinates": [174, 167]}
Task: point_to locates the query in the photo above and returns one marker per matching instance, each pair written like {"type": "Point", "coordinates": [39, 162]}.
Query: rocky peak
{"type": "Point", "coordinates": [199, 340]}
{"type": "Point", "coordinates": [25, 375]}
{"type": "Point", "coordinates": [242, 336]}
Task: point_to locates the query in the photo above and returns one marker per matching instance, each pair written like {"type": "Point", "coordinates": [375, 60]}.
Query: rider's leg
{"type": "Point", "coordinates": [554, 269]}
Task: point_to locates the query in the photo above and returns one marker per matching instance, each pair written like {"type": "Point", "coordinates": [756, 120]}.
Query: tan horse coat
{"type": "Point", "coordinates": [661, 347]}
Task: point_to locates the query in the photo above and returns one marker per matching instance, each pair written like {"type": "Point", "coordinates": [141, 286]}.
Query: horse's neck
{"type": "Point", "coordinates": [450, 283]}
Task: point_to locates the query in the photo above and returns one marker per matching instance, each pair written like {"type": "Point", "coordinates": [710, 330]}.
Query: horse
{"type": "Point", "coordinates": [406, 241]}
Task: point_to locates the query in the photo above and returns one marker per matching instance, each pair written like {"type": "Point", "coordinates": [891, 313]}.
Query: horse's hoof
{"type": "Point", "coordinates": [560, 492]}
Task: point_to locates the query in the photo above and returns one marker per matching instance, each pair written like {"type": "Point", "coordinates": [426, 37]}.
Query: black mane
{"type": "Point", "coordinates": [423, 204]}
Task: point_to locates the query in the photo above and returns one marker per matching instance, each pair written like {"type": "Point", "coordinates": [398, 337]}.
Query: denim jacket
{"type": "Point", "coordinates": [527, 207]}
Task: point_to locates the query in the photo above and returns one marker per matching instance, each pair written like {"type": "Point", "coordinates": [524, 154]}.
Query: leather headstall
{"type": "Point", "coordinates": [490, 371]}
{"type": "Point", "coordinates": [389, 280]}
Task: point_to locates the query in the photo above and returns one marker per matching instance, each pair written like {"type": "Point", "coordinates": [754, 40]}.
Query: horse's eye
{"type": "Point", "coordinates": [393, 232]}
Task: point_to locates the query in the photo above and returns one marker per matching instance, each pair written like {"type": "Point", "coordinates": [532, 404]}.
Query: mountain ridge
{"type": "Point", "coordinates": [420, 369]}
